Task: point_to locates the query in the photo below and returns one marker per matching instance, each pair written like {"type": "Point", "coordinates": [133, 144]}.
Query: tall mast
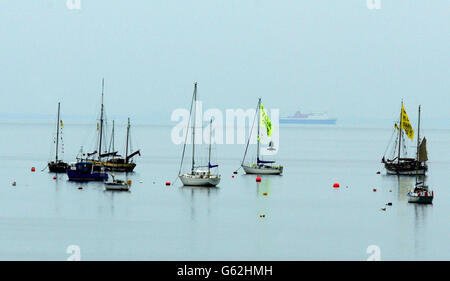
{"type": "Point", "coordinates": [418, 143]}
{"type": "Point", "coordinates": [259, 123]}
{"type": "Point", "coordinates": [418, 136]}
{"type": "Point", "coordinates": [209, 154]}
{"type": "Point", "coordinates": [57, 136]}
{"type": "Point", "coordinates": [193, 127]}
{"type": "Point", "coordinates": [400, 134]}
{"type": "Point", "coordinates": [128, 134]}
{"type": "Point", "coordinates": [101, 123]}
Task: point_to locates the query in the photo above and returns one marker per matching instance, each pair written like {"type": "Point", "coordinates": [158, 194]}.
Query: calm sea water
{"type": "Point", "coordinates": [305, 218]}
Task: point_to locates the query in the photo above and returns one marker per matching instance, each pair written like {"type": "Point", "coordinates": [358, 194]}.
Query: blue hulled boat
{"type": "Point", "coordinates": [84, 171]}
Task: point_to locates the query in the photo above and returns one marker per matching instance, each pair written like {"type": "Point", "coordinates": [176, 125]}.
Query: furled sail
{"type": "Point", "coordinates": [423, 155]}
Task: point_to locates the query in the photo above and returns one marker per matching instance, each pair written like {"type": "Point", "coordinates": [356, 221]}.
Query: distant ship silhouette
{"type": "Point", "coordinates": [309, 118]}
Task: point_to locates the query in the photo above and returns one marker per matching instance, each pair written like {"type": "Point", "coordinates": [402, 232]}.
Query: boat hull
{"type": "Point", "coordinates": [113, 167]}
{"type": "Point", "coordinates": [405, 169]}
{"type": "Point", "coordinates": [117, 187]}
{"type": "Point", "coordinates": [414, 198]}
{"type": "Point", "coordinates": [76, 176]}
{"type": "Point", "coordinates": [57, 167]}
{"type": "Point", "coordinates": [189, 180]}
{"type": "Point", "coordinates": [263, 170]}
{"type": "Point", "coordinates": [308, 121]}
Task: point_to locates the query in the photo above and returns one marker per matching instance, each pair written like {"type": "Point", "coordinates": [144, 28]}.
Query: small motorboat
{"type": "Point", "coordinates": [116, 184]}
{"type": "Point", "coordinates": [420, 194]}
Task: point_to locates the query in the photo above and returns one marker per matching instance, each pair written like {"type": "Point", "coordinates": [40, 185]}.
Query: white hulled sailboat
{"type": "Point", "coordinates": [261, 167]}
{"type": "Point", "coordinates": [198, 176]}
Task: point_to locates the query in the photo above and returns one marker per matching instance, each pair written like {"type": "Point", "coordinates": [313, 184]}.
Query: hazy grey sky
{"type": "Point", "coordinates": [338, 56]}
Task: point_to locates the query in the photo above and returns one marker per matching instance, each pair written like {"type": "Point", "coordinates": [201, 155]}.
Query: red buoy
{"type": "Point", "coordinates": [336, 185]}
{"type": "Point", "coordinates": [232, 177]}
{"type": "Point", "coordinates": [374, 190]}
{"type": "Point", "coordinates": [33, 169]}
{"type": "Point", "coordinates": [258, 179]}
{"type": "Point", "coordinates": [167, 183]}
{"type": "Point", "coordinates": [54, 177]}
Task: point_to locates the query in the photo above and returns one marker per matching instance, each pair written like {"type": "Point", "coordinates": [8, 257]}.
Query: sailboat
{"type": "Point", "coordinates": [421, 193]}
{"type": "Point", "coordinates": [110, 160]}
{"type": "Point", "coordinates": [198, 176]}
{"type": "Point", "coordinates": [57, 166]}
{"type": "Point", "coordinates": [261, 167]}
{"type": "Point", "coordinates": [405, 165]}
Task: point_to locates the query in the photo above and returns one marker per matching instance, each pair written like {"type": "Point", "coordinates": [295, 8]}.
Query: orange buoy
{"type": "Point", "coordinates": [129, 182]}
{"type": "Point", "coordinates": [265, 193]}
{"type": "Point", "coordinates": [258, 179]}
{"type": "Point", "coordinates": [390, 190]}
{"type": "Point", "coordinates": [33, 169]}
{"type": "Point", "coordinates": [336, 185]}
{"type": "Point", "coordinates": [167, 183]}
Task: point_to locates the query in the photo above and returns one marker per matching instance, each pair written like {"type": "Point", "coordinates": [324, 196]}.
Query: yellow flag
{"type": "Point", "coordinates": [406, 125]}
{"type": "Point", "coordinates": [265, 121]}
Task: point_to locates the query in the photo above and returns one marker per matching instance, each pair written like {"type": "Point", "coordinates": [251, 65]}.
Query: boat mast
{"type": "Point", "coordinates": [259, 123]}
{"type": "Point", "coordinates": [418, 136]}
{"type": "Point", "coordinates": [101, 123]}
{"type": "Point", "coordinates": [400, 134]}
{"type": "Point", "coordinates": [209, 153]}
{"type": "Point", "coordinates": [128, 134]}
{"type": "Point", "coordinates": [193, 127]}
{"type": "Point", "coordinates": [418, 143]}
{"type": "Point", "coordinates": [57, 136]}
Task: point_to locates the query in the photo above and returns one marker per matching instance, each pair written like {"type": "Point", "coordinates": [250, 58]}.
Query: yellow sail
{"type": "Point", "coordinates": [265, 121]}
{"type": "Point", "coordinates": [406, 125]}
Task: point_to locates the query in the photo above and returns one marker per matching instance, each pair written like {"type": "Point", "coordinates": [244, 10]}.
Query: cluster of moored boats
{"type": "Point", "coordinates": [96, 165]}
{"type": "Point", "coordinates": [401, 165]}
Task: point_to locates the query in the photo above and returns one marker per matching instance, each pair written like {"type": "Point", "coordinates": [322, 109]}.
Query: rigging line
{"type": "Point", "coordinates": [248, 141]}
{"type": "Point", "coordinates": [390, 140]}
{"type": "Point", "coordinates": [185, 139]}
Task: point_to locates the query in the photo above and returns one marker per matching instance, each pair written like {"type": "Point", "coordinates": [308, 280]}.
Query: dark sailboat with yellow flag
{"type": "Point", "coordinates": [58, 166]}
{"type": "Point", "coordinates": [400, 164]}
{"type": "Point", "coordinates": [262, 167]}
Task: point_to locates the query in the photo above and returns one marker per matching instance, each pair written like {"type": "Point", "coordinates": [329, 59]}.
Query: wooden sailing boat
{"type": "Point", "coordinates": [260, 167]}
{"type": "Point", "coordinates": [404, 165]}
{"type": "Point", "coordinates": [421, 193]}
{"type": "Point", "coordinates": [109, 159]}
{"type": "Point", "coordinates": [198, 176]}
{"type": "Point", "coordinates": [57, 166]}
